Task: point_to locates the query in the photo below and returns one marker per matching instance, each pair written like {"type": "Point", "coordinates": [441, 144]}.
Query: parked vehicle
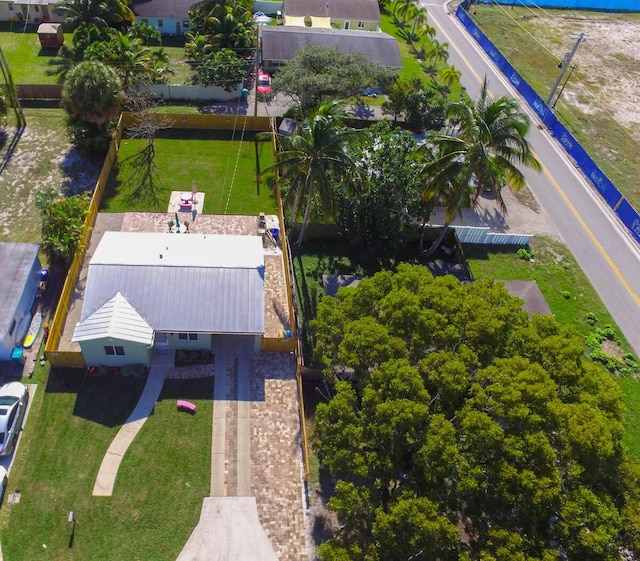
{"type": "Point", "coordinates": [14, 398]}
{"type": "Point", "coordinates": [264, 83]}
{"type": "Point", "coordinates": [3, 482]}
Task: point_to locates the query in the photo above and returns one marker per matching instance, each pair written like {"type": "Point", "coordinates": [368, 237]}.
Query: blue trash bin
{"type": "Point", "coordinates": [275, 232]}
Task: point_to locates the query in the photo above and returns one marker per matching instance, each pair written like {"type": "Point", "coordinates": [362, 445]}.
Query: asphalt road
{"type": "Point", "coordinates": [607, 253]}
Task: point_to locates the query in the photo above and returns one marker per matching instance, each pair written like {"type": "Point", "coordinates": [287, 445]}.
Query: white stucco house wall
{"type": "Point", "coordinates": [31, 11]}
{"type": "Point", "coordinates": [147, 293]}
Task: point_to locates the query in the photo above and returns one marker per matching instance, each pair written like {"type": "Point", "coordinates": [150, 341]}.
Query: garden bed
{"type": "Point", "coordinates": [186, 357]}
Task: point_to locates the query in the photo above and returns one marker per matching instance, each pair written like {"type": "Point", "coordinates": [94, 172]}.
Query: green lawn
{"type": "Point", "coordinates": [411, 67]}
{"type": "Point", "coordinates": [160, 486]}
{"type": "Point", "coordinates": [31, 64]}
{"type": "Point", "coordinates": [605, 141]}
{"type": "Point", "coordinates": [224, 170]}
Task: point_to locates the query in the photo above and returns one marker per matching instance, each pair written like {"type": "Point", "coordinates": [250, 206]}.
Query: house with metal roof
{"type": "Point", "coordinates": [280, 44]}
{"type": "Point", "coordinates": [18, 288]}
{"type": "Point", "coordinates": [170, 17]}
{"type": "Point", "coordinates": [360, 15]}
{"type": "Point", "coordinates": [149, 292]}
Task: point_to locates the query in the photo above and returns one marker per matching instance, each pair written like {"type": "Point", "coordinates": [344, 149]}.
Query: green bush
{"type": "Point", "coordinates": [591, 318]}
{"type": "Point", "coordinates": [525, 253]}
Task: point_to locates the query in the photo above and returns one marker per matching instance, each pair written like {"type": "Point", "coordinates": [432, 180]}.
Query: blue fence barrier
{"type": "Point", "coordinates": [596, 5]}
{"type": "Point", "coordinates": [627, 214]}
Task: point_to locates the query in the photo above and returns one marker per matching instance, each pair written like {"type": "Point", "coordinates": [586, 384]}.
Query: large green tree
{"type": "Point", "coordinates": [318, 73]}
{"type": "Point", "coordinates": [389, 194]}
{"type": "Point", "coordinates": [462, 429]}
{"type": "Point", "coordinates": [225, 24]}
{"type": "Point", "coordinates": [92, 92]}
{"type": "Point", "coordinates": [312, 160]}
{"type": "Point", "coordinates": [101, 13]}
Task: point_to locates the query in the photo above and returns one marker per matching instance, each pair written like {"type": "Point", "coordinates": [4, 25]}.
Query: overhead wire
{"type": "Point", "coordinates": [599, 103]}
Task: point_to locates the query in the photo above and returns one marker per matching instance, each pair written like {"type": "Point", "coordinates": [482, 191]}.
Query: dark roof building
{"type": "Point", "coordinates": [162, 8]}
{"type": "Point", "coordinates": [366, 10]}
{"type": "Point", "coordinates": [280, 44]}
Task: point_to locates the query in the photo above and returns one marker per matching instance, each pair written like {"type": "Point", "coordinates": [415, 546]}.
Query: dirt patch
{"type": "Point", "coordinates": [607, 76]}
{"type": "Point", "coordinates": [611, 348]}
{"type": "Point", "coordinates": [43, 157]}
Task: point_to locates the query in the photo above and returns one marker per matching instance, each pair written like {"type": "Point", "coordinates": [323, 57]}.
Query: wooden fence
{"type": "Point", "coordinates": [210, 122]}
{"type": "Point", "coordinates": [56, 326]}
{"type": "Point", "coordinates": [39, 91]}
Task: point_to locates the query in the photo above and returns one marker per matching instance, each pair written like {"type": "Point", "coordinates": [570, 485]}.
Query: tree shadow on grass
{"type": "Point", "coordinates": [192, 388]}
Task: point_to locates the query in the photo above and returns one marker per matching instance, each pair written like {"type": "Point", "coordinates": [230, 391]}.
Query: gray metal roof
{"type": "Point", "coordinates": [281, 43]}
{"type": "Point", "coordinates": [162, 8]}
{"type": "Point", "coordinates": [16, 261]}
{"type": "Point", "coordinates": [181, 283]}
{"type": "Point", "coordinates": [361, 10]}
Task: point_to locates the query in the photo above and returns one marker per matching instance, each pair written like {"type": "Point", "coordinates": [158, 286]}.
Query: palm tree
{"type": "Point", "coordinates": [403, 8]}
{"type": "Point", "coordinates": [483, 148]}
{"type": "Point", "coordinates": [101, 13]}
{"type": "Point", "coordinates": [438, 52]}
{"type": "Point", "coordinates": [313, 160]}
{"type": "Point", "coordinates": [419, 21]}
{"type": "Point", "coordinates": [450, 74]}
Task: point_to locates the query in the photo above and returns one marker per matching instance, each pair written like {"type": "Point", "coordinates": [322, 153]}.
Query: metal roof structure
{"type": "Point", "coordinates": [181, 282]}
{"type": "Point", "coordinates": [16, 260]}
{"type": "Point", "coordinates": [162, 8]}
{"type": "Point", "coordinates": [117, 319]}
{"type": "Point", "coordinates": [281, 43]}
{"type": "Point", "coordinates": [361, 10]}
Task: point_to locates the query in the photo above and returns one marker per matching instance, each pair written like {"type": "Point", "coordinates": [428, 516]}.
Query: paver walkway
{"type": "Point", "coordinates": [111, 462]}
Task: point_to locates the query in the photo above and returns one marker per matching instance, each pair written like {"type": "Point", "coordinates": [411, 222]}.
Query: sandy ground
{"type": "Point", "coordinates": [608, 61]}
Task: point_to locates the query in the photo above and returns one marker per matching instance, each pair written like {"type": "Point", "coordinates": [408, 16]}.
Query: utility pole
{"type": "Point", "coordinates": [566, 63]}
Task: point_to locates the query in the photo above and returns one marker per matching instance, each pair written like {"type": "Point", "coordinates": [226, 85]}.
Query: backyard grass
{"type": "Point", "coordinates": [224, 170]}
{"type": "Point", "coordinates": [603, 138]}
{"type": "Point", "coordinates": [31, 64]}
{"type": "Point", "coordinates": [160, 485]}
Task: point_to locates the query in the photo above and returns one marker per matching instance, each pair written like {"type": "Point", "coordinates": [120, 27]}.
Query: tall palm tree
{"type": "Point", "coordinates": [438, 52]}
{"type": "Point", "coordinates": [419, 21]}
{"type": "Point", "coordinates": [450, 74]}
{"type": "Point", "coordinates": [484, 147]}
{"type": "Point", "coordinates": [101, 13]}
{"type": "Point", "coordinates": [312, 160]}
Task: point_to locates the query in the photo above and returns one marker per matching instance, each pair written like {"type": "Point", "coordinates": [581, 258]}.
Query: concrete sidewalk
{"type": "Point", "coordinates": [111, 462]}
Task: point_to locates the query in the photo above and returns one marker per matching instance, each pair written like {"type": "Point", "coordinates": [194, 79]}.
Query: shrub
{"type": "Point", "coordinates": [525, 253]}
{"type": "Point", "coordinates": [591, 318]}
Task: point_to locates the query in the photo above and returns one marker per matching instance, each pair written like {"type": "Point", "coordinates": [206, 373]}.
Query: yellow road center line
{"type": "Point", "coordinates": [555, 184]}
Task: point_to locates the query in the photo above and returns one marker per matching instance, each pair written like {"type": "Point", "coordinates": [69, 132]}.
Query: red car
{"type": "Point", "coordinates": [264, 83]}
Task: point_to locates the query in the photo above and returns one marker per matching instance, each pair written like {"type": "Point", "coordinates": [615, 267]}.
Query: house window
{"type": "Point", "coordinates": [159, 23]}
{"type": "Point", "coordinates": [186, 24]}
{"type": "Point", "coordinates": [37, 9]}
{"type": "Point", "coordinates": [188, 336]}
{"type": "Point", "coordinates": [13, 327]}
{"type": "Point", "coordinates": [113, 350]}
{"type": "Point", "coordinates": [11, 7]}
{"type": "Point", "coordinates": [145, 21]}
{"type": "Point", "coordinates": [346, 24]}
{"type": "Point", "coordinates": [360, 25]}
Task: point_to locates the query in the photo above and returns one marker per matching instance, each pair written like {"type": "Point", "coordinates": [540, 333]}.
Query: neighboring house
{"type": "Point", "coordinates": [360, 15]}
{"type": "Point", "coordinates": [280, 44]}
{"type": "Point", "coordinates": [18, 288]}
{"type": "Point", "coordinates": [147, 293]}
{"type": "Point", "coordinates": [32, 11]}
{"type": "Point", "coordinates": [171, 17]}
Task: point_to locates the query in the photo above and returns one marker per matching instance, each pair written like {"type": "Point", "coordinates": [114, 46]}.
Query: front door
{"type": "Point", "coordinates": [161, 340]}
{"type": "Point", "coordinates": [178, 28]}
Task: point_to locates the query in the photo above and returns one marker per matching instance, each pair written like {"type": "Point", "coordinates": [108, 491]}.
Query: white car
{"type": "Point", "coordinates": [3, 482]}
{"type": "Point", "coordinates": [14, 398]}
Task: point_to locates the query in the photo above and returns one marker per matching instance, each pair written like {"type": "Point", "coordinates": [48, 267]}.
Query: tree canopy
{"type": "Point", "coordinates": [389, 195]}
{"type": "Point", "coordinates": [462, 429]}
{"type": "Point", "coordinates": [92, 92]}
{"type": "Point", "coordinates": [319, 73]}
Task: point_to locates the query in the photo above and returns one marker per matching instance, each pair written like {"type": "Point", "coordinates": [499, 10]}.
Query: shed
{"type": "Point", "coordinates": [51, 35]}
{"type": "Point", "coordinates": [18, 288]}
